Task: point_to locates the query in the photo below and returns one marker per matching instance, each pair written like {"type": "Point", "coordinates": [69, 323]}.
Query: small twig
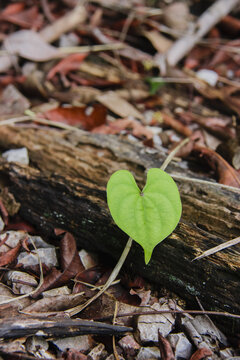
{"type": "Point", "coordinates": [94, 287]}
{"type": "Point", "coordinates": [206, 21]}
{"type": "Point", "coordinates": [114, 339]}
{"type": "Point", "coordinates": [165, 311]}
{"type": "Point", "coordinates": [177, 80]}
{"type": "Point", "coordinates": [173, 153]}
{"type": "Point", "coordinates": [205, 182]}
{"type": "Point", "coordinates": [47, 11]}
{"type": "Point", "coordinates": [91, 48]}
{"type": "Point", "coordinates": [65, 24]}
{"type": "Point", "coordinates": [218, 248]}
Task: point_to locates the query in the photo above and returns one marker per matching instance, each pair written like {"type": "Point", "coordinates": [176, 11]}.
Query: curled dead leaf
{"type": "Point", "coordinates": [226, 174]}
{"type": "Point", "coordinates": [70, 263]}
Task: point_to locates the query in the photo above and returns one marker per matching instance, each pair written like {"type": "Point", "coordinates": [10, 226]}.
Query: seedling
{"type": "Point", "coordinates": [147, 216]}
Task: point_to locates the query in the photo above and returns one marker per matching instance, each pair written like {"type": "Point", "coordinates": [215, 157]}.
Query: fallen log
{"type": "Point", "coordinates": [64, 186]}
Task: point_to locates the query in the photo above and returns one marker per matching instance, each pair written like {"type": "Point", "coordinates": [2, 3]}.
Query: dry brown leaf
{"type": "Point", "coordinates": [227, 175]}
{"type": "Point", "coordinates": [160, 42]}
{"type": "Point", "coordinates": [71, 62]}
{"type": "Point", "coordinates": [25, 18]}
{"type": "Point", "coordinates": [55, 303]}
{"type": "Point", "coordinates": [165, 348]}
{"type": "Point", "coordinates": [70, 263]}
{"type": "Point", "coordinates": [9, 256]}
{"type": "Point", "coordinates": [132, 126]}
{"type": "Point", "coordinates": [29, 45]}
{"type": "Point", "coordinates": [86, 117]}
{"type": "Point", "coordinates": [201, 354]}
{"type": "Point", "coordinates": [118, 105]}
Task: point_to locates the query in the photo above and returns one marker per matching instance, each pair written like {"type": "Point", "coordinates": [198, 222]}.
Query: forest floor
{"type": "Point", "coordinates": [151, 72]}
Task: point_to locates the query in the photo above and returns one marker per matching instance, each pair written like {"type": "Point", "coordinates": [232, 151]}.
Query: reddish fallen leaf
{"type": "Point", "coordinates": [13, 9]}
{"type": "Point", "coordinates": [201, 354]}
{"type": "Point", "coordinates": [25, 18]}
{"type": "Point", "coordinates": [176, 125]}
{"type": "Point", "coordinates": [70, 260]}
{"type": "Point", "coordinates": [226, 174]}
{"type": "Point", "coordinates": [9, 256]}
{"type": "Point", "coordinates": [230, 24]}
{"type": "Point", "coordinates": [70, 263]}
{"type": "Point", "coordinates": [197, 138]}
{"type": "Point", "coordinates": [130, 125]}
{"type": "Point", "coordinates": [58, 231]}
{"type": "Point", "coordinates": [72, 354]}
{"type": "Point", "coordinates": [9, 79]}
{"type": "Point", "coordinates": [69, 63]}
{"type": "Point", "coordinates": [165, 348]}
{"type": "Point", "coordinates": [86, 117]}
{"type": "Point", "coordinates": [25, 244]}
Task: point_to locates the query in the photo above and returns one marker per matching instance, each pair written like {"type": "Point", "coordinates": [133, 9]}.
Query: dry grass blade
{"type": "Point", "coordinates": [218, 248]}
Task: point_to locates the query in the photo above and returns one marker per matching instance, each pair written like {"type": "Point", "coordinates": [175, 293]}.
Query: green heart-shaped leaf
{"type": "Point", "coordinates": [149, 216]}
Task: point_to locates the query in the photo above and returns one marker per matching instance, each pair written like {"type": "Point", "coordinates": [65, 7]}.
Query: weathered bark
{"type": "Point", "coordinates": [25, 326]}
{"type": "Point", "coordinates": [64, 186]}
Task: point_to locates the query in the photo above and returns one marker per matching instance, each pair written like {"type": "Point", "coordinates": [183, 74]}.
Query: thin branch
{"type": "Point", "coordinates": [218, 248]}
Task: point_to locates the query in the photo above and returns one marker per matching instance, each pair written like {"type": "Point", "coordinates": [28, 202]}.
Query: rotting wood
{"type": "Point", "coordinates": [65, 187]}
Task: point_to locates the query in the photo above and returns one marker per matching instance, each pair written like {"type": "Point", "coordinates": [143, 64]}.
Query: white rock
{"type": "Point", "coordinates": [17, 155]}
{"type": "Point", "coordinates": [209, 76]}
{"type": "Point", "coordinates": [13, 239]}
{"type": "Point", "coordinates": [79, 343]}
{"type": "Point", "coordinates": [39, 242]}
{"type": "Point", "coordinates": [88, 260]}
{"type": "Point", "coordinates": [97, 352]}
{"type": "Point", "coordinates": [147, 353]}
{"type": "Point", "coordinates": [47, 256]}
{"type": "Point", "coordinates": [35, 343]}
{"type": "Point", "coordinates": [2, 225]}
{"type": "Point", "coordinates": [227, 354]}
{"type": "Point", "coordinates": [129, 345]}
{"type": "Point", "coordinates": [181, 345]}
{"type": "Point", "coordinates": [204, 333]}
{"type": "Point", "coordinates": [150, 325]}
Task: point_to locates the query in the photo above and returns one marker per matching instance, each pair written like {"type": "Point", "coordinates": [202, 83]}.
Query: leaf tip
{"type": "Point", "coordinates": [147, 256]}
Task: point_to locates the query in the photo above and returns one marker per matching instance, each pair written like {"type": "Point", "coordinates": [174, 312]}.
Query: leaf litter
{"type": "Point", "coordinates": [116, 97]}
